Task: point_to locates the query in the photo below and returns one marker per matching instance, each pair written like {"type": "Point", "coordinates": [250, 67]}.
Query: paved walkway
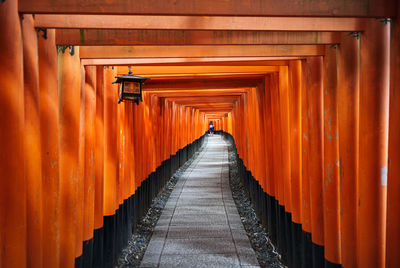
{"type": "Point", "coordinates": [200, 225]}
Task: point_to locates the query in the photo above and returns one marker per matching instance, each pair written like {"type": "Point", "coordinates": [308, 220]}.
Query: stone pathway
{"type": "Point", "coordinates": [200, 225]}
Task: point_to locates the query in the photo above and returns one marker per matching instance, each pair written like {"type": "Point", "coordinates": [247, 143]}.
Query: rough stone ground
{"type": "Point", "coordinates": [133, 253]}
{"type": "Point", "coordinates": [194, 222]}
{"type": "Point", "coordinates": [266, 254]}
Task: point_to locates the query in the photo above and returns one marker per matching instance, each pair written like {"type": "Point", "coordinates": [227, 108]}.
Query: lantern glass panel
{"type": "Point", "coordinates": [131, 87]}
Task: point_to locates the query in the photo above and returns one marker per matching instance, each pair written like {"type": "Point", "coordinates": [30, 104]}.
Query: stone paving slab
{"type": "Point", "coordinates": [200, 260]}
{"type": "Point", "coordinates": [200, 225]}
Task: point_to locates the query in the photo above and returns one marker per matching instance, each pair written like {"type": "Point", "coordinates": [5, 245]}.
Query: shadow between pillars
{"type": "Point", "coordinates": [104, 248]}
{"type": "Point", "coordinates": [293, 244]}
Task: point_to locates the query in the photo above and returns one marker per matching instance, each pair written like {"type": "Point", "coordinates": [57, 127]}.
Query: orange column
{"type": "Point", "coordinates": [90, 157]}
{"type": "Point", "coordinates": [331, 184]}
{"type": "Point", "coordinates": [276, 140]}
{"type": "Point", "coordinates": [374, 115]}
{"type": "Point", "coordinates": [49, 125]}
{"type": "Point", "coordinates": [285, 119]}
{"type": "Point", "coordinates": [131, 152]}
{"type": "Point", "coordinates": [305, 145]}
{"type": "Point", "coordinates": [110, 143]}
{"type": "Point", "coordinates": [295, 92]}
{"type": "Point", "coordinates": [13, 221]}
{"type": "Point", "coordinates": [259, 146]}
{"type": "Point", "coordinates": [121, 151]}
{"type": "Point", "coordinates": [69, 90]}
{"type": "Point", "coordinates": [99, 149]}
{"type": "Point", "coordinates": [393, 204]}
{"type": "Point", "coordinates": [135, 135]}
{"type": "Point", "coordinates": [33, 165]}
{"type": "Point", "coordinates": [269, 138]}
{"type": "Point", "coordinates": [80, 185]}
{"type": "Point", "coordinates": [99, 167]}
{"type": "Point", "coordinates": [314, 76]}
{"type": "Point", "coordinates": [348, 119]}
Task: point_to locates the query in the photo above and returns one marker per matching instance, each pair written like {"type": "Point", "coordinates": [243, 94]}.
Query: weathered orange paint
{"type": "Point", "coordinates": [348, 98]}
{"type": "Point", "coordinates": [99, 150]}
{"type": "Point", "coordinates": [305, 145]}
{"type": "Point", "coordinates": [107, 52]}
{"type": "Point", "coordinates": [89, 154]}
{"type": "Point", "coordinates": [295, 100]}
{"type": "Point", "coordinates": [285, 138]}
{"type": "Point", "coordinates": [361, 8]}
{"type": "Point", "coordinates": [102, 37]}
{"type": "Point", "coordinates": [331, 180]}
{"type": "Point", "coordinates": [218, 23]}
{"type": "Point", "coordinates": [110, 143]}
{"type": "Point", "coordinates": [199, 61]}
{"type": "Point", "coordinates": [69, 84]}
{"type": "Point", "coordinates": [33, 161]}
{"type": "Point", "coordinates": [121, 152]}
{"type": "Point", "coordinates": [49, 131]}
{"type": "Point", "coordinates": [13, 201]}
{"type": "Point", "coordinates": [393, 200]}
{"type": "Point", "coordinates": [374, 115]}
{"type": "Point", "coordinates": [314, 76]}
{"type": "Point", "coordinates": [80, 179]}
{"type": "Point", "coordinates": [269, 138]}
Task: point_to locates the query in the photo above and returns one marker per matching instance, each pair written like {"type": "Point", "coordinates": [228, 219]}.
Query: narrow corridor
{"type": "Point", "coordinates": [105, 104]}
{"type": "Point", "coordinates": [200, 225]}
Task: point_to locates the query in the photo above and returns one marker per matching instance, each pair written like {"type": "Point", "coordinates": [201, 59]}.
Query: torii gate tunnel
{"type": "Point", "coordinates": [309, 92]}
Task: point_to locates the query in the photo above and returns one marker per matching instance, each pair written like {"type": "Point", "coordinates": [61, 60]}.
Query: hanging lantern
{"type": "Point", "coordinates": [130, 87]}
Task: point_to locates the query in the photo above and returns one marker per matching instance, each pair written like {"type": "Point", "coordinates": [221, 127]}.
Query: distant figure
{"type": "Point", "coordinates": [211, 128]}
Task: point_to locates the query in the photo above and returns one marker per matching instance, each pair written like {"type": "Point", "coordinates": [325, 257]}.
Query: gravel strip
{"type": "Point", "coordinates": [133, 254]}
{"type": "Point", "coordinates": [267, 255]}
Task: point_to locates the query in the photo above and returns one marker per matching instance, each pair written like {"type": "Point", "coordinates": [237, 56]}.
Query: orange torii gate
{"type": "Point", "coordinates": [315, 130]}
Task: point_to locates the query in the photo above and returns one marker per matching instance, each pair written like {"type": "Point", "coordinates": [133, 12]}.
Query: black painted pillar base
{"type": "Point", "coordinates": [98, 248]}
{"type": "Point", "coordinates": [318, 256]}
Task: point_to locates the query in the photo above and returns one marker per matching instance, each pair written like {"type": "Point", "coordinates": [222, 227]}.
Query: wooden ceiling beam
{"type": "Point", "coordinates": [304, 8]}
{"type": "Point", "coordinates": [104, 52]}
{"type": "Point", "coordinates": [100, 37]}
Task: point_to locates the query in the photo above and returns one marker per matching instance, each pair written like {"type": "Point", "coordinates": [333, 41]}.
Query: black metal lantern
{"type": "Point", "coordinates": [130, 87]}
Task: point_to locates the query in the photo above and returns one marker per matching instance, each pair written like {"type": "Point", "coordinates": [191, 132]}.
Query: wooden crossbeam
{"type": "Point", "coordinates": [348, 8]}
{"type": "Point", "coordinates": [100, 37]}
{"type": "Point", "coordinates": [105, 52]}
{"type": "Point", "coordinates": [253, 23]}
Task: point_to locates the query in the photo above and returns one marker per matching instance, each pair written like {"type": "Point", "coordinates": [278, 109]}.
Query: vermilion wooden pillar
{"type": "Point", "coordinates": [110, 164]}
{"type": "Point", "coordinates": [90, 156]}
{"type": "Point", "coordinates": [13, 186]}
{"type": "Point", "coordinates": [276, 138]}
{"type": "Point", "coordinates": [121, 151]}
{"type": "Point", "coordinates": [331, 183]}
{"type": "Point", "coordinates": [314, 87]}
{"type": "Point", "coordinates": [261, 157]}
{"type": "Point", "coordinates": [80, 187]}
{"type": "Point", "coordinates": [99, 149]}
{"type": "Point", "coordinates": [306, 250]}
{"type": "Point", "coordinates": [49, 126]}
{"type": "Point", "coordinates": [99, 168]}
{"type": "Point", "coordinates": [295, 91]}
{"type": "Point", "coordinates": [374, 115]}
{"type": "Point", "coordinates": [393, 203]}
{"type": "Point", "coordinates": [268, 138]}
{"type": "Point", "coordinates": [285, 132]}
{"type": "Point", "coordinates": [110, 143]}
{"type": "Point", "coordinates": [69, 93]}
{"type": "Point", "coordinates": [131, 154]}
{"type": "Point", "coordinates": [348, 98]}
{"type": "Point", "coordinates": [33, 163]}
